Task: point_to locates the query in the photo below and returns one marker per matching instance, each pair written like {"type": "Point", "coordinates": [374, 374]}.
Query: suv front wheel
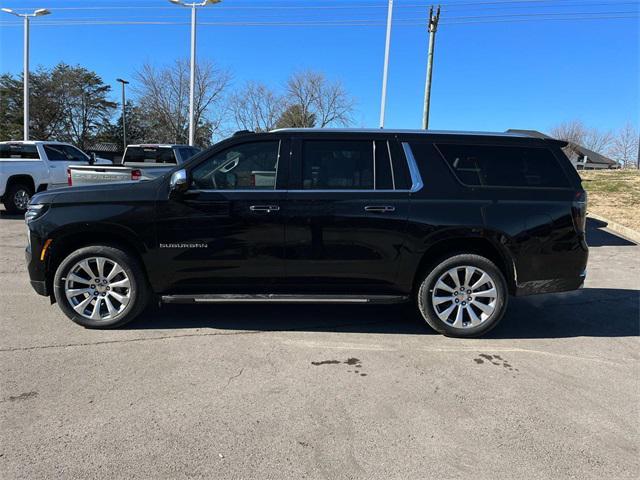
{"type": "Point", "coordinates": [101, 287]}
{"type": "Point", "coordinates": [465, 295]}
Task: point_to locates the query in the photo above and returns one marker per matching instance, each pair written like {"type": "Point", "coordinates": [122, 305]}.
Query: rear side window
{"type": "Point", "coordinates": [149, 155]}
{"type": "Point", "coordinates": [497, 166]}
{"type": "Point", "coordinates": [18, 151]}
{"type": "Point", "coordinates": [384, 168]}
{"type": "Point", "coordinates": [337, 165]}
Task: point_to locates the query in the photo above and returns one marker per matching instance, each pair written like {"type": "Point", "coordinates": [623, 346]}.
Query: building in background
{"type": "Point", "coordinates": [581, 157]}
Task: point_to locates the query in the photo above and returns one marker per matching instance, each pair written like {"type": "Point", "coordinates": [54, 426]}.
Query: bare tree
{"type": "Point", "coordinates": [164, 98]}
{"type": "Point", "coordinates": [576, 132]}
{"type": "Point", "coordinates": [256, 107]}
{"type": "Point", "coordinates": [624, 147]}
{"type": "Point", "coordinates": [327, 102]}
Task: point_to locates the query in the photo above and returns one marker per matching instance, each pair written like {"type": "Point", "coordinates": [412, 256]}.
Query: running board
{"type": "Point", "coordinates": [273, 298]}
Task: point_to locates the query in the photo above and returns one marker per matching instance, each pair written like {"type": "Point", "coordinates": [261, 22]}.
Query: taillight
{"type": "Point", "coordinates": [69, 177]}
{"type": "Point", "coordinates": [579, 211]}
{"type": "Point", "coordinates": [136, 174]}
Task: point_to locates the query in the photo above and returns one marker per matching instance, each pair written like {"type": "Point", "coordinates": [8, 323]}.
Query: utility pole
{"type": "Point", "coordinates": [192, 81]}
{"type": "Point", "coordinates": [433, 28]}
{"type": "Point", "coordinates": [385, 71]}
{"type": "Point", "coordinates": [25, 75]}
{"type": "Point", "coordinates": [124, 123]}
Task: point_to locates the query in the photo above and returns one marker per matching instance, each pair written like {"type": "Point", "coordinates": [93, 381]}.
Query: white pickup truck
{"type": "Point", "coordinates": [140, 162]}
{"type": "Point", "coordinates": [27, 167]}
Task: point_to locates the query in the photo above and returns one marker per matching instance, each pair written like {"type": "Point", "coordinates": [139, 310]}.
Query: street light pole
{"type": "Point", "coordinates": [385, 70]}
{"type": "Point", "coordinates": [192, 80]}
{"type": "Point", "coordinates": [25, 79]}
{"type": "Point", "coordinates": [124, 123]}
{"type": "Point", "coordinates": [25, 75]}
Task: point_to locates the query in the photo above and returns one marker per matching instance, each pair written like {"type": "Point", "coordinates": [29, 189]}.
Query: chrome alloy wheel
{"type": "Point", "coordinates": [21, 199]}
{"type": "Point", "coordinates": [464, 297]}
{"type": "Point", "coordinates": [97, 288]}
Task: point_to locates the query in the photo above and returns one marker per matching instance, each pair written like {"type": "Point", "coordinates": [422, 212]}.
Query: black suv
{"type": "Point", "coordinates": [452, 221]}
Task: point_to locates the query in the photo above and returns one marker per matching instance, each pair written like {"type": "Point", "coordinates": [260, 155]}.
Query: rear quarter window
{"type": "Point", "coordinates": [504, 166]}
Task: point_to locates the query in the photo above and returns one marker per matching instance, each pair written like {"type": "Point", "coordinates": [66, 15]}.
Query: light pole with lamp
{"type": "Point", "coordinates": [192, 81]}
{"type": "Point", "coordinates": [26, 16]}
{"type": "Point", "coordinates": [124, 123]}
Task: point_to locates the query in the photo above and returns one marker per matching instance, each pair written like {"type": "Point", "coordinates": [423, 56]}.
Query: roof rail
{"type": "Point", "coordinates": [242, 132]}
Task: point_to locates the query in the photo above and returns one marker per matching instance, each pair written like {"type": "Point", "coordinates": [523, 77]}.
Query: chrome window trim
{"type": "Point", "coordinates": [393, 176]}
{"type": "Point", "coordinates": [416, 179]}
{"type": "Point", "coordinates": [375, 183]}
{"type": "Point", "coordinates": [362, 190]}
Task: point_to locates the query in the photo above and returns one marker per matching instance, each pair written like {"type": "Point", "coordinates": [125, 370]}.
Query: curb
{"type": "Point", "coordinates": [627, 232]}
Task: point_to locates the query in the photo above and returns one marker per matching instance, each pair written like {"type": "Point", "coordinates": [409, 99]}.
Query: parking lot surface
{"type": "Point", "coordinates": [273, 392]}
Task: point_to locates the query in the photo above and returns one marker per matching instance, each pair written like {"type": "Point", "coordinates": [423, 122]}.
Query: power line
{"type": "Point", "coordinates": [346, 23]}
{"type": "Point", "coordinates": [445, 5]}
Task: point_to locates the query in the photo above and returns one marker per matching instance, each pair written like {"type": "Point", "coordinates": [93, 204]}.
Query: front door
{"type": "Point", "coordinates": [226, 234]}
{"type": "Point", "coordinates": [346, 214]}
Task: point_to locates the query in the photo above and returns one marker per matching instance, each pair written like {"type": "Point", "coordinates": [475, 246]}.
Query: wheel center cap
{"type": "Point", "coordinates": [101, 288]}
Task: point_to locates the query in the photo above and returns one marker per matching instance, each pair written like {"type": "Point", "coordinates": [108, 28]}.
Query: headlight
{"type": "Point", "coordinates": [35, 211]}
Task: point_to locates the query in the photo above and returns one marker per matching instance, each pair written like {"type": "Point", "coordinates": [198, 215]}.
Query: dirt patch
{"type": "Point", "coordinates": [614, 194]}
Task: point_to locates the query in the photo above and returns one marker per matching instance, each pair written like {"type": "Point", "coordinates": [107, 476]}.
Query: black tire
{"type": "Point", "coordinates": [10, 197]}
{"type": "Point", "coordinates": [427, 309]}
{"type": "Point", "coordinates": [139, 291]}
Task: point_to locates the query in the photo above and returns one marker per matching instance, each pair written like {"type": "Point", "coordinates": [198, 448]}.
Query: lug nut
{"type": "Point", "coordinates": [463, 303]}
{"type": "Point", "coordinates": [469, 299]}
{"type": "Point", "coordinates": [455, 293]}
{"type": "Point", "coordinates": [469, 291]}
{"type": "Point", "coordinates": [108, 288]}
{"type": "Point", "coordinates": [457, 300]}
{"type": "Point", "coordinates": [93, 286]}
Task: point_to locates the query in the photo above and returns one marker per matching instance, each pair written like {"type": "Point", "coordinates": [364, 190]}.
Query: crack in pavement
{"type": "Point", "coordinates": [184, 335]}
{"type": "Point", "coordinates": [233, 378]}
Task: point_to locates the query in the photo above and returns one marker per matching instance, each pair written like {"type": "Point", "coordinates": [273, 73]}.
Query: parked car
{"type": "Point", "coordinates": [33, 166]}
{"type": "Point", "coordinates": [140, 162]}
{"type": "Point", "coordinates": [455, 222]}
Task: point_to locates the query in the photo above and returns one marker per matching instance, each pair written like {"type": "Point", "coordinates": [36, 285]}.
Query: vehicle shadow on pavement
{"type": "Point", "coordinates": [593, 312]}
{"type": "Point", "coordinates": [10, 216]}
{"type": "Point", "coordinates": [597, 237]}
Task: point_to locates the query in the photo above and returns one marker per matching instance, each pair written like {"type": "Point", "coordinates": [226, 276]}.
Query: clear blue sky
{"type": "Point", "coordinates": [511, 70]}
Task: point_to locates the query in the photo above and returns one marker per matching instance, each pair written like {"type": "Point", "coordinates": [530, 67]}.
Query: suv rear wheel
{"type": "Point", "coordinates": [465, 295]}
{"type": "Point", "coordinates": [101, 287]}
{"type": "Point", "coordinates": [16, 198]}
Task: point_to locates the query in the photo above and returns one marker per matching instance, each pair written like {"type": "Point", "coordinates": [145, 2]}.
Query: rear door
{"type": "Point", "coordinates": [346, 214]}
{"type": "Point", "coordinates": [60, 158]}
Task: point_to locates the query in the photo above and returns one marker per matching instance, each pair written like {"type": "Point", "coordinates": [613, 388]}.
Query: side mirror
{"type": "Point", "coordinates": [179, 183]}
{"type": "Point", "coordinates": [92, 158]}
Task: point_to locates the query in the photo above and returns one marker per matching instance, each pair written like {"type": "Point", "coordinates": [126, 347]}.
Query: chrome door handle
{"type": "Point", "coordinates": [379, 208]}
{"type": "Point", "coordinates": [264, 208]}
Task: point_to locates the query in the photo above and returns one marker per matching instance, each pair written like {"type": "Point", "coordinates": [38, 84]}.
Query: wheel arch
{"type": "Point", "coordinates": [487, 245]}
{"type": "Point", "coordinates": [21, 178]}
{"type": "Point", "coordinates": [65, 242]}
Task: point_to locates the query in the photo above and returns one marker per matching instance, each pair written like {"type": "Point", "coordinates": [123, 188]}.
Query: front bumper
{"type": "Point", "coordinates": [36, 270]}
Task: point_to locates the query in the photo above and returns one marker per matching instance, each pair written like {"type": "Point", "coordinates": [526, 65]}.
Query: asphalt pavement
{"type": "Point", "coordinates": [335, 392]}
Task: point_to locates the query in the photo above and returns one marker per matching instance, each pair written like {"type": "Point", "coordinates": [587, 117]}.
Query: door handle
{"type": "Point", "coordinates": [264, 208]}
{"type": "Point", "coordinates": [379, 208]}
